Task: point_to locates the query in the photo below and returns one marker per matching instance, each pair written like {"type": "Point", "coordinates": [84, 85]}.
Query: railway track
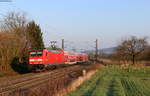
{"type": "Point", "coordinates": [20, 78]}
{"type": "Point", "coordinates": [31, 80]}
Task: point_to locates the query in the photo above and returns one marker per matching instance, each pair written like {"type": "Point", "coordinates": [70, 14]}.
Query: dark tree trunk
{"type": "Point", "coordinates": [133, 59]}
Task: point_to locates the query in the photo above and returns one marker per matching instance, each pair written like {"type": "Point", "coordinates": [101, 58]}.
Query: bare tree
{"type": "Point", "coordinates": [15, 23]}
{"type": "Point", "coordinates": [13, 38]}
{"type": "Point", "coordinates": [131, 48]}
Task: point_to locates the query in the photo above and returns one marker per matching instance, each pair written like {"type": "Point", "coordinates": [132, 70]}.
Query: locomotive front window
{"type": "Point", "coordinates": [32, 53]}
{"type": "Point", "coordinates": [39, 53]}
{"type": "Point", "coordinates": [36, 53]}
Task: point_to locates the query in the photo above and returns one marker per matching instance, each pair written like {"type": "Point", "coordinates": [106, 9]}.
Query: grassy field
{"type": "Point", "coordinates": [116, 82]}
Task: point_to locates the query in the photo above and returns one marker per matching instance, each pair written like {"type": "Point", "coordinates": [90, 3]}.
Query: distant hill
{"type": "Point", "coordinates": [108, 50]}
{"type": "Point", "coordinates": [104, 50]}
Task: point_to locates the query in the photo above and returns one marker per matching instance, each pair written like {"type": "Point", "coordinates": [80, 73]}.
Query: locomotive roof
{"type": "Point", "coordinates": [36, 49]}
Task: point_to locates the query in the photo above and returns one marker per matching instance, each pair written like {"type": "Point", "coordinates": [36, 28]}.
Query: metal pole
{"type": "Point", "coordinates": [63, 44]}
{"type": "Point", "coordinates": [96, 49]}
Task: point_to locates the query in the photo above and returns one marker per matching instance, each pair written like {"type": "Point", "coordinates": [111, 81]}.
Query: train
{"type": "Point", "coordinates": [41, 59]}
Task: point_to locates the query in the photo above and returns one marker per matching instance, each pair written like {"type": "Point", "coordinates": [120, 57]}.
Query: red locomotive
{"type": "Point", "coordinates": [45, 58]}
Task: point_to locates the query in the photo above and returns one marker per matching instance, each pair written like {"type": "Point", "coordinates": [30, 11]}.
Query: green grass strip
{"type": "Point", "coordinates": [116, 82]}
{"type": "Point", "coordinates": [87, 88]}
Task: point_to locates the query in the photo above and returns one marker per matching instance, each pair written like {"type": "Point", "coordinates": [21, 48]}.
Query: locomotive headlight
{"type": "Point", "coordinates": [39, 59]}
{"type": "Point", "coordinates": [31, 59]}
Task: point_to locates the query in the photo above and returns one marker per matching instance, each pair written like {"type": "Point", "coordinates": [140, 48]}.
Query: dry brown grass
{"type": "Point", "coordinates": [125, 63]}
{"type": "Point", "coordinates": [76, 83]}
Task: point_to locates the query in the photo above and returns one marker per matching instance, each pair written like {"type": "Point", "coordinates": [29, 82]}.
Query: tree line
{"type": "Point", "coordinates": [17, 36]}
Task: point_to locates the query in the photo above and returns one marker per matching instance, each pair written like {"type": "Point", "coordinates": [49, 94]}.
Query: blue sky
{"type": "Point", "coordinates": [80, 22]}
